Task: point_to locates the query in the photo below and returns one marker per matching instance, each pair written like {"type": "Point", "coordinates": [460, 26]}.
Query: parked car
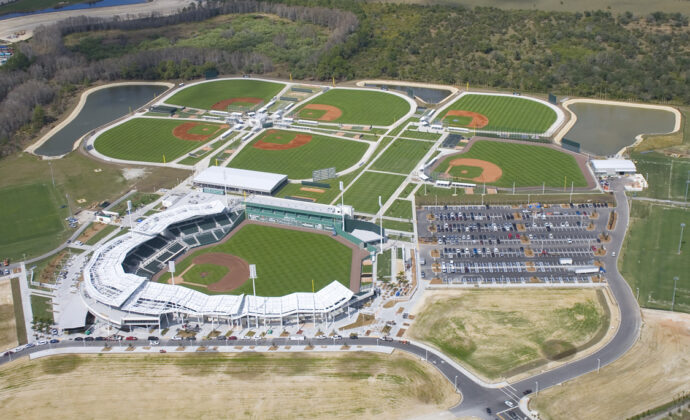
{"type": "Point", "coordinates": [131, 338]}
{"type": "Point", "coordinates": [232, 337]}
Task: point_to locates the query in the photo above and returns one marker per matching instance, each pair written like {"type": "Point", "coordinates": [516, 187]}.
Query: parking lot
{"type": "Point", "coordinates": [513, 244]}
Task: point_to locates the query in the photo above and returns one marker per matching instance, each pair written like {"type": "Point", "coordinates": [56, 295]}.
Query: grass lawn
{"type": "Point", "coordinates": [650, 259]}
{"type": "Point", "coordinates": [526, 165]}
{"type": "Point", "coordinates": [362, 107]}
{"type": "Point", "coordinates": [349, 385]}
{"type": "Point", "coordinates": [20, 321]}
{"type": "Point", "coordinates": [420, 135]}
{"type": "Point", "coordinates": [30, 212]}
{"type": "Point", "coordinates": [500, 333]}
{"type": "Point", "coordinates": [383, 265]}
{"type": "Point", "coordinates": [326, 197]}
{"type": "Point", "coordinates": [506, 113]}
{"type": "Point", "coordinates": [364, 193]}
{"type": "Point", "coordinates": [80, 178]}
{"type": "Point", "coordinates": [101, 234]}
{"type": "Point", "coordinates": [42, 308]}
{"type": "Point", "coordinates": [400, 208]}
{"type": "Point", "coordinates": [204, 95]}
{"type": "Point", "coordinates": [286, 260]}
{"type": "Point", "coordinates": [299, 162]}
{"type": "Point", "coordinates": [666, 175]}
{"type": "Point", "coordinates": [395, 225]}
{"type": "Point", "coordinates": [402, 156]}
{"type": "Point", "coordinates": [150, 140]}
{"type": "Point", "coordinates": [138, 199]}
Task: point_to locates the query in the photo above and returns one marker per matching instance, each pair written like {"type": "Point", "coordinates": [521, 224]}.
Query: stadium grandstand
{"type": "Point", "coordinates": [117, 287]}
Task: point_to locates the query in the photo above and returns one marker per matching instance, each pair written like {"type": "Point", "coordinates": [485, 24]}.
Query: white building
{"type": "Point", "coordinates": [216, 179]}
{"type": "Point", "coordinates": [608, 167]}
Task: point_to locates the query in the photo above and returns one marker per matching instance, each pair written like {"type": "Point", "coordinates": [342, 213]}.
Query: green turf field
{"type": "Point", "coordinates": [400, 208]}
{"type": "Point", "coordinates": [402, 156]}
{"type": "Point", "coordinates": [286, 260]}
{"type": "Point", "coordinates": [506, 113]}
{"type": "Point", "coordinates": [148, 140]}
{"type": "Point", "coordinates": [665, 175]}
{"type": "Point", "coordinates": [299, 162]}
{"type": "Point", "coordinates": [526, 165]}
{"type": "Point", "coordinates": [420, 135]}
{"type": "Point", "coordinates": [362, 107]}
{"type": "Point", "coordinates": [205, 274]}
{"type": "Point", "coordinates": [650, 259]}
{"type": "Point", "coordinates": [364, 193]}
{"type": "Point", "coordinates": [30, 212]}
{"type": "Point", "coordinates": [204, 95]}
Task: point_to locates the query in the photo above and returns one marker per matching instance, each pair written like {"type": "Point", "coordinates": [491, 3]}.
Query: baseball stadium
{"type": "Point", "coordinates": [127, 281]}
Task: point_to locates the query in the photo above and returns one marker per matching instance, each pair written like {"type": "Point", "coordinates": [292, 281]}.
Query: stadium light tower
{"type": "Point", "coordinates": [342, 203]}
{"type": "Point", "coordinates": [673, 299]}
{"type": "Point", "coordinates": [381, 220]}
{"type": "Point", "coordinates": [680, 241]}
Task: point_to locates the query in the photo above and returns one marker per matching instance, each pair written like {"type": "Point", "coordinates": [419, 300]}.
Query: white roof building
{"type": "Point", "coordinates": [299, 205]}
{"type": "Point", "coordinates": [613, 166]}
{"type": "Point", "coordinates": [239, 180]}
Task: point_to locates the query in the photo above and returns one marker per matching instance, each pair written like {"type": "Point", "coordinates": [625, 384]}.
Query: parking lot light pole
{"type": "Point", "coordinates": [456, 383]}
{"type": "Point", "coordinates": [537, 387]}
{"type": "Point", "coordinates": [598, 365]}
{"type": "Point", "coordinates": [680, 241]}
{"type": "Point", "coordinates": [673, 299]}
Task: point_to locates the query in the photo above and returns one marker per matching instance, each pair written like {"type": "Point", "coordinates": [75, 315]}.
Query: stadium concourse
{"type": "Point", "coordinates": [118, 287]}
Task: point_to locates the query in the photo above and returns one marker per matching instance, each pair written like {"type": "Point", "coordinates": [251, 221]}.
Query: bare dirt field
{"type": "Point", "coordinates": [211, 386]}
{"type": "Point", "coordinates": [8, 330]}
{"type": "Point", "coordinates": [500, 334]}
{"type": "Point", "coordinates": [653, 372]}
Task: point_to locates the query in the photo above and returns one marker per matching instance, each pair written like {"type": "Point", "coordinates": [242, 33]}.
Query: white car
{"type": "Point", "coordinates": [509, 404]}
{"type": "Point", "coordinates": [177, 338]}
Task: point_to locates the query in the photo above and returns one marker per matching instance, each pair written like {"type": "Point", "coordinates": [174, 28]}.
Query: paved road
{"type": "Point", "coordinates": [9, 27]}
{"type": "Point", "coordinates": [476, 396]}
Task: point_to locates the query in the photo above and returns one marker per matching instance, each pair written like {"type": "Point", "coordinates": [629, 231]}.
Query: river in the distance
{"type": "Point", "coordinates": [78, 6]}
{"type": "Point", "coordinates": [101, 107]}
{"type": "Point", "coordinates": [606, 129]}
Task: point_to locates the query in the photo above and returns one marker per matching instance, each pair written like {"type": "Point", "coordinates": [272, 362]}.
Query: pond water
{"type": "Point", "coordinates": [606, 129]}
{"type": "Point", "coordinates": [428, 95]}
{"type": "Point", "coordinates": [101, 107]}
{"type": "Point", "coordinates": [78, 6]}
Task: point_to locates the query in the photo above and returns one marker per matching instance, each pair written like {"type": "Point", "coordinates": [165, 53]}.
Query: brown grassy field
{"type": "Point", "coordinates": [211, 386]}
{"type": "Point", "coordinates": [652, 373]}
{"type": "Point", "coordinates": [615, 6]}
{"type": "Point", "coordinates": [8, 331]}
{"type": "Point", "coordinates": [505, 333]}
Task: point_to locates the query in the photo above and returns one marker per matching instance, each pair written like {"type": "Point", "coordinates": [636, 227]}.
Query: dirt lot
{"type": "Point", "coordinates": [8, 332]}
{"type": "Point", "coordinates": [502, 334]}
{"type": "Point", "coordinates": [210, 386]}
{"type": "Point", "coordinates": [654, 371]}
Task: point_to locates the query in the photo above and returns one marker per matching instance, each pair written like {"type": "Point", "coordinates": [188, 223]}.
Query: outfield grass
{"type": "Point", "coordinates": [364, 193]}
{"type": "Point", "coordinates": [506, 113]}
{"type": "Point", "coordinates": [650, 259]}
{"type": "Point", "coordinates": [29, 212]}
{"type": "Point", "coordinates": [401, 209]}
{"type": "Point", "coordinates": [363, 107]}
{"type": "Point", "coordinates": [204, 95]}
{"type": "Point", "coordinates": [286, 260]}
{"type": "Point", "coordinates": [402, 156]}
{"type": "Point", "coordinates": [299, 162]}
{"type": "Point", "coordinates": [666, 175]}
{"type": "Point", "coordinates": [526, 165]}
{"type": "Point", "coordinates": [148, 140]}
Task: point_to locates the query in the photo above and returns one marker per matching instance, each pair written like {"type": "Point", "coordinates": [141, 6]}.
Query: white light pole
{"type": "Point", "coordinates": [673, 299]}
{"type": "Point", "coordinates": [381, 220]}
{"type": "Point", "coordinates": [342, 203]}
{"type": "Point", "coordinates": [537, 387]}
{"type": "Point", "coordinates": [456, 383]}
{"type": "Point", "coordinates": [598, 365]}
{"type": "Point", "coordinates": [680, 241]}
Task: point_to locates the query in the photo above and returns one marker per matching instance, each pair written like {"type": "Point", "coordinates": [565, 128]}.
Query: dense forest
{"type": "Point", "coordinates": [587, 54]}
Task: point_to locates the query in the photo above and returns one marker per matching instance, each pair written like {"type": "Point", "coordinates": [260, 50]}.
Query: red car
{"type": "Point", "coordinates": [232, 337]}
{"type": "Point", "coordinates": [131, 338]}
